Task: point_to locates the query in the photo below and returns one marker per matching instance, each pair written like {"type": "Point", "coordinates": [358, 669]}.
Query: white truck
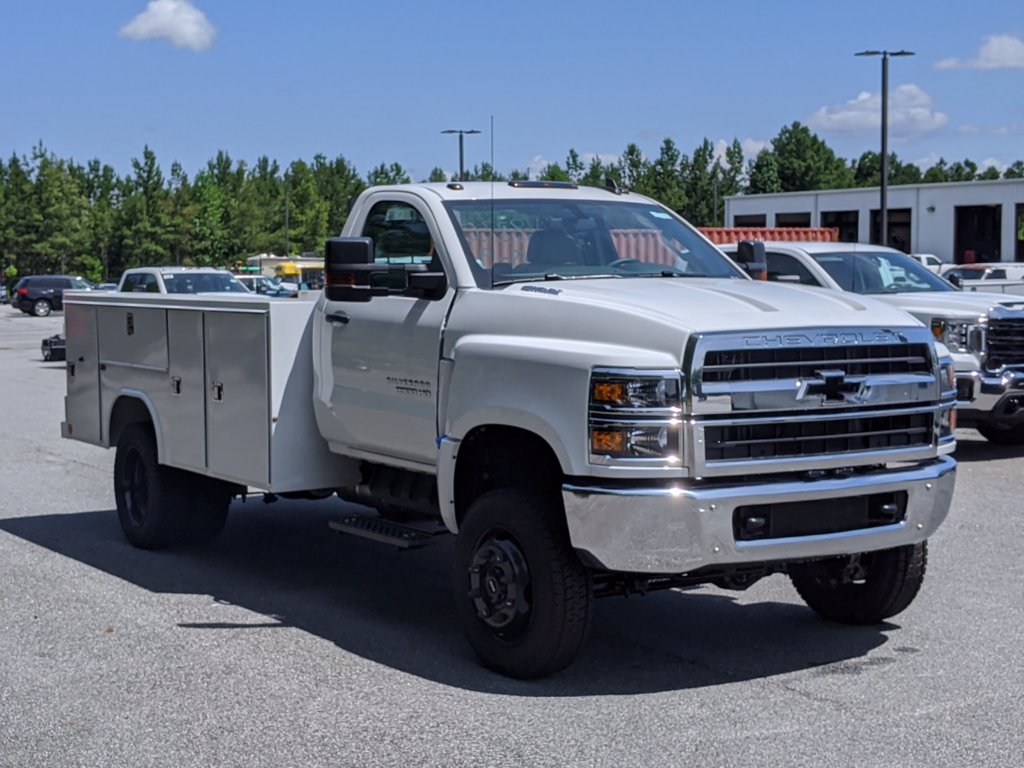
{"type": "Point", "coordinates": [574, 381]}
{"type": "Point", "coordinates": [984, 331]}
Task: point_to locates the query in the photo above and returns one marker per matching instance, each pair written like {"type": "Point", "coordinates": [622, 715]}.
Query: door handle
{"type": "Point", "coordinates": [338, 318]}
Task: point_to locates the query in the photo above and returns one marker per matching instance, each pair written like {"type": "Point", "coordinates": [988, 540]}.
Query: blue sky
{"type": "Point", "coordinates": [378, 82]}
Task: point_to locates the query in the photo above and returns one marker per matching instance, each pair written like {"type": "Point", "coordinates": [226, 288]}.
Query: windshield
{"type": "Point", "coordinates": [879, 272]}
{"type": "Point", "coordinates": [202, 282]}
{"type": "Point", "coordinates": [545, 239]}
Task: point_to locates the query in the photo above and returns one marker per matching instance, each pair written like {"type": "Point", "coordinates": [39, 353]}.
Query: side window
{"type": "Point", "coordinates": [400, 235]}
{"type": "Point", "coordinates": [785, 268]}
{"type": "Point", "coordinates": [996, 274]}
{"type": "Point", "coordinates": [149, 284]}
{"type": "Point", "coordinates": [130, 281]}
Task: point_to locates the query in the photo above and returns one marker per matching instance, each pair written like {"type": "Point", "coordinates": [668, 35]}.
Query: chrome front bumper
{"type": "Point", "coordinates": [666, 530]}
{"type": "Point", "coordinates": [996, 397]}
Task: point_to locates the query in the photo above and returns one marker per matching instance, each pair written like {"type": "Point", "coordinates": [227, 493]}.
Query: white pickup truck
{"type": "Point", "coordinates": [574, 381]}
{"type": "Point", "coordinates": [984, 331]}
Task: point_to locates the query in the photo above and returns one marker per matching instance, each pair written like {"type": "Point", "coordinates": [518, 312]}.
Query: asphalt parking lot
{"type": "Point", "coordinates": [285, 644]}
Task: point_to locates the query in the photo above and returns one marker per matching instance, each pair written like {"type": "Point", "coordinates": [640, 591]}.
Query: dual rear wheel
{"type": "Point", "coordinates": [160, 506]}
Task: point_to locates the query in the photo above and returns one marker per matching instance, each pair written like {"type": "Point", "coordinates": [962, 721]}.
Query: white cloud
{"type": "Point", "coordinates": [997, 52]}
{"type": "Point", "coordinates": [991, 162]}
{"type": "Point", "coordinates": [750, 147]}
{"type": "Point", "coordinates": [606, 158]}
{"type": "Point", "coordinates": [176, 21]}
{"type": "Point", "coordinates": [928, 161]}
{"type": "Point", "coordinates": [911, 113]}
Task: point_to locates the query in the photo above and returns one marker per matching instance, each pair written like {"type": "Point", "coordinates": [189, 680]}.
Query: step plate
{"type": "Point", "coordinates": [385, 531]}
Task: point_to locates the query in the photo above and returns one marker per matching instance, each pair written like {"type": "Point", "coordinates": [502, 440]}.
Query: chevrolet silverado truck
{"type": "Point", "coordinates": [984, 332]}
{"type": "Point", "coordinates": [573, 381]}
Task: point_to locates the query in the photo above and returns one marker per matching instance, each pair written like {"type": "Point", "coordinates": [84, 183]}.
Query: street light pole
{"type": "Point", "coordinates": [462, 165]}
{"type": "Point", "coordinates": [883, 212]}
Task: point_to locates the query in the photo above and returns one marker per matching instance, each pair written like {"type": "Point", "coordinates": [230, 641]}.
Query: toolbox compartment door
{"type": "Point", "coordinates": [237, 396]}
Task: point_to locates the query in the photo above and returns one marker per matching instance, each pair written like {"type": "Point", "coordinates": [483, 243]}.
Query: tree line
{"type": "Point", "coordinates": [58, 216]}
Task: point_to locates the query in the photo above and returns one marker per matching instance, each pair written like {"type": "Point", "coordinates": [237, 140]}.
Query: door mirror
{"type": "Point", "coordinates": [956, 280]}
{"type": "Point", "coordinates": [750, 255]}
{"type": "Point", "coordinates": [348, 268]}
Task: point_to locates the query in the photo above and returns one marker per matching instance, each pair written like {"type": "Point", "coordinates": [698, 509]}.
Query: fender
{"type": "Point", "coordinates": [136, 394]}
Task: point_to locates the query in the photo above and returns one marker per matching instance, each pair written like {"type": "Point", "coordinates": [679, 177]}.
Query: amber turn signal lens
{"type": "Point", "coordinates": [607, 441]}
{"type": "Point", "coordinates": [609, 392]}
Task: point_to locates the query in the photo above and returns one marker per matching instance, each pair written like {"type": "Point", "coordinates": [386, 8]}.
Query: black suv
{"type": "Point", "coordinates": [39, 295]}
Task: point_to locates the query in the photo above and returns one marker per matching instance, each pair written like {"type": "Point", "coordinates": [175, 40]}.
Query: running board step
{"type": "Point", "coordinates": [387, 532]}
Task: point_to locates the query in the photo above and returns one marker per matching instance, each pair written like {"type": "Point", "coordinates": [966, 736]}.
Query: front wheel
{"type": "Point", "coordinates": [522, 595]}
{"type": "Point", "coordinates": [1002, 433]}
{"type": "Point", "coordinates": [865, 588]}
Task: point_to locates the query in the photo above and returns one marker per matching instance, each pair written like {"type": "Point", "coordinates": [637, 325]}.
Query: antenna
{"type": "Point", "coordinates": [492, 198]}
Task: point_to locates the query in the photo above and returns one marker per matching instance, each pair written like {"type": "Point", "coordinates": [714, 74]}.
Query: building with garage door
{"type": "Point", "coordinates": [965, 222]}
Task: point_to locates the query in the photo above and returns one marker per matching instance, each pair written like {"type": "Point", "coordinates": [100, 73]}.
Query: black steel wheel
{"type": "Point", "coordinates": [523, 597]}
{"type": "Point", "coordinates": [865, 588]}
{"type": "Point", "coordinates": [41, 308]}
{"type": "Point", "coordinates": [148, 495]}
{"type": "Point", "coordinates": [1002, 433]}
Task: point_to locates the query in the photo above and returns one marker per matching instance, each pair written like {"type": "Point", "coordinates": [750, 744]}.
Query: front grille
{"type": "Point", "coordinates": [1005, 343]}
{"type": "Point", "coordinates": [804, 362]}
{"type": "Point", "coordinates": [812, 436]}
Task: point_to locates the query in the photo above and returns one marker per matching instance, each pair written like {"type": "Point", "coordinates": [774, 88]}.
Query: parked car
{"type": "Point", "coordinates": [930, 261]}
{"type": "Point", "coordinates": [981, 330]}
{"type": "Point", "coordinates": [106, 287]}
{"type": "Point", "coordinates": [264, 285]}
{"type": "Point", "coordinates": [40, 295]}
{"type": "Point", "coordinates": [179, 280]}
{"type": "Point", "coordinates": [989, 271]}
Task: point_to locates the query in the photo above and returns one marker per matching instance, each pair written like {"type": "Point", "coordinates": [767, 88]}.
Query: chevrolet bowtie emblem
{"type": "Point", "coordinates": [831, 385]}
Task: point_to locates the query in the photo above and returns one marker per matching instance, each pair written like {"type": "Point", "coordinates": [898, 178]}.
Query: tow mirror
{"type": "Point", "coordinates": [348, 266]}
{"type": "Point", "coordinates": [750, 255]}
{"type": "Point", "coordinates": [352, 274]}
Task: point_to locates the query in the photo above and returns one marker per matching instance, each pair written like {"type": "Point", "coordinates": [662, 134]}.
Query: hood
{"type": "Point", "coordinates": [710, 305]}
{"type": "Point", "coordinates": [950, 303]}
{"type": "Point", "coordinates": [645, 322]}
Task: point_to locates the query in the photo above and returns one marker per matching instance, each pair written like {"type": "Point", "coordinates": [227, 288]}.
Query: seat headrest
{"type": "Point", "coordinates": [552, 246]}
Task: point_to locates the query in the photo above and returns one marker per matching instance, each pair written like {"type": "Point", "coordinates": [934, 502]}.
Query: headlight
{"type": "Point", "coordinates": [960, 335]}
{"type": "Point", "coordinates": [635, 416]}
{"type": "Point", "coordinates": [612, 391]}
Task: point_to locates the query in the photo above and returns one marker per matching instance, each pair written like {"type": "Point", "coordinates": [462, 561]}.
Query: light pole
{"type": "Point", "coordinates": [883, 213]}
{"type": "Point", "coordinates": [462, 167]}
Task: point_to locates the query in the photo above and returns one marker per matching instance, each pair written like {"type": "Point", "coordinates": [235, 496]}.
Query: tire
{"type": "Point", "coordinates": [149, 496]}
{"type": "Point", "coordinates": [522, 595]}
{"type": "Point", "coordinates": [161, 506]}
{"type": "Point", "coordinates": [862, 589]}
{"type": "Point", "coordinates": [1002, 433]}
{"type": "Point", "coordinates": [207, 504]}
{"type": "Point", "coordinates": [41, 308]}
{"type": "Point", "coordinates": [47, 354]}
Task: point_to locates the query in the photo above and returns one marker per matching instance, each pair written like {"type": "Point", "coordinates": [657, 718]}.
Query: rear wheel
{"type": "Point", "coordinates": [523, 597]}
{"type": "Point", "coordinates": [160, 506]}
{"type": "Point", "coordinates": [149, 495]}
{"type": "Point", "coordinates": [1002, 433]}
{"type": "Point", "coordinates": [862, 589]}
{"type": "Point", "coordinates": [41, 308]}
